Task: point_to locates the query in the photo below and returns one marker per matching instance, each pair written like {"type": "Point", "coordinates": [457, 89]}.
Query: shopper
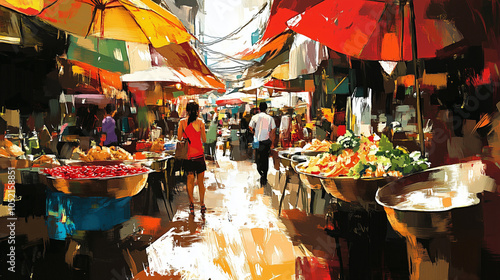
{"type": "Point", "coordinates": [264, 130]}
{"type": "Point", "coordinates": [211, 142]}
{"type": "Point", "coordinates": [193, 129]}
{"type": "Point", "coordinates": [109, 126]}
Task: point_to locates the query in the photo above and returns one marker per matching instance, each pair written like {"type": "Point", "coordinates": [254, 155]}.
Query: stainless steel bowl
{"type": "Point", "coordinates": [312, 153]}
{"type": "Point", "coordinates": [445, 236]}
{"type": "Point", "coordinates": [114, 187]}
{"type": "Point", "coordinates": [354, 190]}
{"type": "Point", "coordinates": [309, 180]}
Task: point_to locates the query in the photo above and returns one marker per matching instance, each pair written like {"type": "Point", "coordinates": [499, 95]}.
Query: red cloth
{"type": "Point", "coordinates": [341, 130]}
{"type": "Point", "coordinates": [195, 146]}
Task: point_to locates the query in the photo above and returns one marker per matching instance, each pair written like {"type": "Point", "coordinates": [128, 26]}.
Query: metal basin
{"type": "Point", "coordinates": [312, 153]}
{"type": "Point", "coordinates": [296, 159]}
{"type": "Point", "coordinates": [114, 187]}
{"type": "Point", "coordinates": [309, 180]}
{"type": "Point", "coordinates": [441, 205]}
{"type": "Point", "coordinates": [360, 191]}
{"type": "Point", "coordinates": [285, 156]}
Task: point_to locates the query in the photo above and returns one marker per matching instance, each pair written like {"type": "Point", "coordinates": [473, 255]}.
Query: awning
{"type": "Point", "coordinates": [266, 67]}
{"type": "Point", "coordinates": [155, 74]}
{"type": "Point", "coordinates": [272, 47]}
{"type": "Point", "coordinates": [281, 12]}
{"type": "Point", "coordinates": [186, 62]}
{"type": "Point", "coordinates": [76, 76]}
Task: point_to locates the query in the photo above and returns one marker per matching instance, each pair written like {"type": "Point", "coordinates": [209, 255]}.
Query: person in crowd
{"type": "Point", "coordinates": [264, 130]}
{"type": "Point", "coordinates": [193, 129]}
{"type": "Point", "coordinates": [211, 143]}
{"type": "Point", "coordinates": [297, 129]}
{"type": "Point", "coordinates": [109, 126]}
{"type": "Point", "coordinates": [286, 130]}
{"type": "Point", "coordinates": [243, 131]}
{"type": "Point", "coordinates": [174, 115]}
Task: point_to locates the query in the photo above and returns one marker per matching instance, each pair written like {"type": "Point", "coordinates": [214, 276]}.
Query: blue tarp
{"type": "Point", "coordinates": [67, 214]}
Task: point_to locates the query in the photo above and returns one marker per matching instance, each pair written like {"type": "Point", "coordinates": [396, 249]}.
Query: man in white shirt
{"type": "Point", "coordinates": [264, 129]}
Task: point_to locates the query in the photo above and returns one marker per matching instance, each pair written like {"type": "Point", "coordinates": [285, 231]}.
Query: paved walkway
{"type": "Point", "coordinates": [240, 237]}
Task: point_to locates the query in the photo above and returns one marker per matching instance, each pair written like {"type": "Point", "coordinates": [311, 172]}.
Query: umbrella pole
{"type": "Point", "coordinates": [417, 87]}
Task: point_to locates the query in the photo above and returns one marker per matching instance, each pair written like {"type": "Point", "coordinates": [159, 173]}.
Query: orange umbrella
{"type": "Point", "coordinates": [27, 7]}
{"type": "Point", "coordinates": [140, 21]}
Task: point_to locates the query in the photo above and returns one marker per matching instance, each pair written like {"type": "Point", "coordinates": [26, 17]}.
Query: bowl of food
{"type": "Point", "coordinates": [116, 181]}
{"type": "Point", "coordinates": [311, 181]}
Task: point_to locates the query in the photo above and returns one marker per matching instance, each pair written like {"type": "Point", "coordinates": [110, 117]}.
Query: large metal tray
{"type": "Point", "coordinates": [114, 187]}
{"type": "Point", "coordinates": [359, 191]}
{"type": "Point", "coordinates": [311, 181]}
{"type": "Point", "coordinates": [425, 223]}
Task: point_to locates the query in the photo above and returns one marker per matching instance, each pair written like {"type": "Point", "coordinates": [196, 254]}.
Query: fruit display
{"type": "Point", "coordinates": [360, 156]}
{"type": "Point", "coordinates": [93, 171]}
{"type": "Point", "coordinates": [98, 153]}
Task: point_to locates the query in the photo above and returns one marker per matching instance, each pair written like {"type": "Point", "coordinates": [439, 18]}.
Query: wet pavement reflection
{"type": "Point", "coordinates": [240, 236]}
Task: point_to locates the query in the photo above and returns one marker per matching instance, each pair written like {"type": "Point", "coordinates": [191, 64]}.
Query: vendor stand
{"type": "Point", "coordinates": [352, 171]}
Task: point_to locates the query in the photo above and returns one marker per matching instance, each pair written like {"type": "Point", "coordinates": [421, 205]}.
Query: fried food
{"type": "Point", "coordinates": [113, 153]}
{"type": "Point", "coordinates": [44, 159]}
{"type": "Point", "coordinates": [158, 145]}
{"type": "Point", "coordinates": [119, 153]}
{"type": "Point", "coordinates": [318, 146]}
{"type": "Point", "coordinates": [13, 150]}
{"type": "Point", "coordinates": [4, 153]}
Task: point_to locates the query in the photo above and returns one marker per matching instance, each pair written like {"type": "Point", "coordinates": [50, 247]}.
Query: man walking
{"type": "Point", "coordinates": [264, 129]}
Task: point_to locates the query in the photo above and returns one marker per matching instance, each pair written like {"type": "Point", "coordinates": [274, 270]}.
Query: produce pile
{"type": "Point", "coordinates": [360, 156]}
{"type": "Point", "coordinates": [318, 146]}
{"type": "Point", "coordinates": [93, 171]}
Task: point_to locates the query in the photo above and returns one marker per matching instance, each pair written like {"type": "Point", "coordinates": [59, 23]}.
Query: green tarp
{"type": "Point", "coordinates": [107, 54]}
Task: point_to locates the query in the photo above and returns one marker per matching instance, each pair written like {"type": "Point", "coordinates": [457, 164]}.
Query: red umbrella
{"type": "Point", "coordinates": [378, 30]}
{"type": "Point", "coordinates": [374, 30]}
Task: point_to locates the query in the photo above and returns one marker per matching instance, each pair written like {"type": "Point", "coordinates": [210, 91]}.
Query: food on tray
{"type": "Point", "coordinates": [365, 157]}
{"type": "Point", "coordinates": [4, 153]}
{"type": "Point", "coordinates": [158, 145]}
{"type": "Point", "coordinates": [105, 153]}
{"type": "Point", "coordinates": [143, 146]}
{"type": "Point", "coordinates": [93, 171]}
{"type": "Point", "coordinates": [11, 149]}
{"type": "Point", "coordinates": [318, 146]}
{"type": "Point", "coordinates": [119, 153]}
{"type": "Point", "coordinates": [45, 160]}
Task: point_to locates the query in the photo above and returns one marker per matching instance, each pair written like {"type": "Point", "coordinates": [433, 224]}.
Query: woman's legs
{"type": "Point", "coordinates": [201, 187]}
{"type": "Point", "coordinates": [190, 186]}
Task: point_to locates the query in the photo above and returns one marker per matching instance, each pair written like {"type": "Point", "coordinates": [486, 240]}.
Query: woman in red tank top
{"type": "Point", "coordinates": [193, 129]}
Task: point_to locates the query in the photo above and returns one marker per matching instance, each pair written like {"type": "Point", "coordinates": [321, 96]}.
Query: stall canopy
{"type": "Point", "coordinates": [374, 30]}
{"type": "Point", "coordinates": [76, 76]}
{"type": "Point", "coordinates": [187, 65]}
{"type": "Point", "coordinates": [135, 21]}
{"type": "Point", "coordinates": [27, 7]}
{"type": "Point", "coordinates": [235, 98]}
{"type": "Point", "coordinates": [281, 11]}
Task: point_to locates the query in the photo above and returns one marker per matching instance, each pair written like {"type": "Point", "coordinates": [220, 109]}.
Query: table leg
{"type": "Point", "coordinates": [298, 193]}
{"type": "Point", "coordinates": [283, 195]}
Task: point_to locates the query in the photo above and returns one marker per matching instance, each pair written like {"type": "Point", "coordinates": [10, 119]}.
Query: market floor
{"type": "Point", "coordinates": [240, 237]}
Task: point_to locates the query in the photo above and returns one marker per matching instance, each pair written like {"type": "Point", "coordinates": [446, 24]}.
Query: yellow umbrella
{"type": "Point", "coordinates": [27, 7]}
{"type": "Point", "coordinates": [140, 21]}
